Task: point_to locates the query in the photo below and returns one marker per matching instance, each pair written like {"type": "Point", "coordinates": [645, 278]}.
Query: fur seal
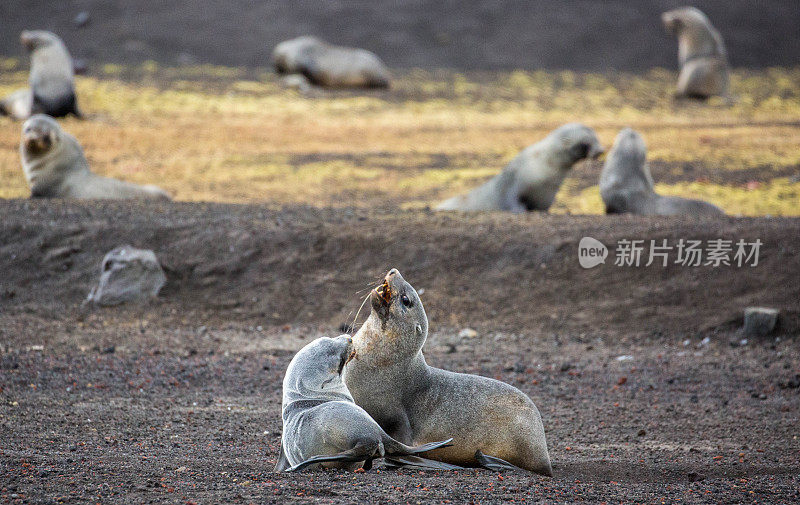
{"type": "Point", "coordinates": [330, 66]}
{"type": "Point", "coordinates": [52, 79]}
{"type": "Point", "coordinates": [532, 179]}
{"type": "Point", "coordinates": [493, 424]}
{"type": "Point", "coordinates": [701, 54]}
{"type": "Point", "coordinates": [55, 166]}
{"type": "Point", "coordinates": [17, 105]}
{"type": "Point", "coordinates": [323, 426]}
{"type": "Point", "coordinates": [627, 186]}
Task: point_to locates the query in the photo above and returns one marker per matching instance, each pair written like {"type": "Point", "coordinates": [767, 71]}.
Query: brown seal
{"type": "Point", "coordinates": [55, 166]}
{"type": "Point", "coordinates": [493, 424]}
{"type": "Point", "coordinates": [701, 54]}
{"type": "Point", "coordinates": [330, 66]}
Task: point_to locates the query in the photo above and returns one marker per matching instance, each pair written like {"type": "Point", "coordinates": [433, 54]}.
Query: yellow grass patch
{"type": "Point", "coordinates": [215, 133]}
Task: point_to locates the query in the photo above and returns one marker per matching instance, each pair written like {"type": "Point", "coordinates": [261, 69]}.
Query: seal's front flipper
{"type": "Point", "coordinates": [283, 461]}
{"type": "Point", "coordinates": [431, 446]}
{"type": "Point", "coordinates": [492, 463]}
{"type": "Point", "coordinates": [415, 462]}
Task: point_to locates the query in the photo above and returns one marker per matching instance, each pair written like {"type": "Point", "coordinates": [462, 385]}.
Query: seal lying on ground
{"type": "Point", "coordinates": [322, 425]}
{"type": "Point", "coordinates": [52, 79]}
{"type": "Point", "coordinates": [532, 179]}
{"type": "Point", "coordinates": [55, 166]}
{"type": "Point", "coordinates": [330, 66]}
{"type": "Point", "coordinates": [17, 105]}
{"type": "Point", "coordinates": [701, 54]}
{"type": "Point", "coordinates": [493, 424]}
{"type": "Point", "coordinates": [627, 186]}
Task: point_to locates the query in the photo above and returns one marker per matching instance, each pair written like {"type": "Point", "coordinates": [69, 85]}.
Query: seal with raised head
{"type": "Point", "coordinates": [626, 185]}
{"type": "Point", "coordinates": [55, 166]}
{"type": "Point", "coordinates": [493, 424]}
{"type": "Point", "coordinates": [330, 66]}
{"type": "Point", "coordinates": [531, 180]}
{"type": "Point", "coordinates": [701, 54]}
{"type": "Point", "coordinates": [322, 426]}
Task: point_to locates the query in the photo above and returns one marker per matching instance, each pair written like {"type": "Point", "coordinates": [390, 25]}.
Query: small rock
{"type": "Point", "coordinates": [625, 357]}
{"type": "Point", "coordinates": [186, 59]}
{"type": "Point", "coordinates": [467, 333]}
{"type": "Point", "coordinates": [622, 380]}
{"type": "Point", "coordinates": [759, 321]}
{"type": "Point", "coordinates": [181, 469]}
{"type": "Point", "coordinates": [641, 433]}
{"type": "Point", "coordinates": [694, 477]}
{"type": "Point", "coordinates": [565, 367]}
{"type": "Point", "coordinates": [128, 274]}
{"type": "Point", "coordinates": [82, 19]}
{"type": "Point", "coordinates": [704, 342]}
{"type": "Point", "coordinates": [110, 350]}
{"type": "Point", "coordinates": [791, 383]}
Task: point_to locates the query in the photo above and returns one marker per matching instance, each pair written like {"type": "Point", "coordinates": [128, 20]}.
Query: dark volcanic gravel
{"type": "Point", "coordinates": [178, 401]}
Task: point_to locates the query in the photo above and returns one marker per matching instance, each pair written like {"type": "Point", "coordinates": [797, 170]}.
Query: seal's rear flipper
{"type": "Point", "coordinates": [283, 462]}
{"type": "Point", "coordinates": [492, 463]}
{"type": "Point", "coordinates": [415, 462]}
{"type": "Point", "coordinates": [431, 446]}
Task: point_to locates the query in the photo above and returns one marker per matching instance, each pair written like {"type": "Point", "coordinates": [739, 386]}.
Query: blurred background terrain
{"type": "Point", "coordinates": [463, 35]}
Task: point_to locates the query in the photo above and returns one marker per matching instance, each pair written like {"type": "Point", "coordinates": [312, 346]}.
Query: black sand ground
{"type": "Point", "coordinates": [178, 401]}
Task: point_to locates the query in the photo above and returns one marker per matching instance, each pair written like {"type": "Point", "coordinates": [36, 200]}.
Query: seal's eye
{"type": "Point", "coordinates": [406, 301]}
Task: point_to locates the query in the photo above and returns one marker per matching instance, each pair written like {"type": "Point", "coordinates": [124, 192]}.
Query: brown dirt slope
{"type": "Point", "coordinates": [303, 264]}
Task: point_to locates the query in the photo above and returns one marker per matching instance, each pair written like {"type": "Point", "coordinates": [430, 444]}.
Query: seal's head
{"type": "Point", "coordinates": [626, 168]}
{"type": "Point", "coordinates": [577, 142]}
{"type": "Point", "coordinates": [39, 134]}
{"type": "Point", "coordinates": [676, 20]}
{"type": "Point", "coordinates": [396, 304]}
{"type": "Point", "coordinates": [630, 144]}
{"type": "Point", "coordinates": [36, 39]}
{"type": "Point", "coordinates": [315, 372]}
{"type": "Point", "coordinates": [289, 55]}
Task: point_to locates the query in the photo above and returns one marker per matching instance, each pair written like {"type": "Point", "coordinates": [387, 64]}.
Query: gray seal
{"type": "Point", "coordinates": [17, 105]}
{"type": "Point", "coordinates": [701, 54]}
{"type": "Point", "coordinates": [55, 167]}
{"type": "Point", "coordinates": [626, 185]}
{"type": "Point", "coordinates": [330, 66]}
{"type": "Point", "coordinates": [322, 426]}
{"type": "Point", "coordinates": [531, 180]}
{"type": "Point", "coordinates": [493, 424]}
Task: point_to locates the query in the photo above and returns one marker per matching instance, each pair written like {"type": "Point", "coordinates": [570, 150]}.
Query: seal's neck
{"type": "Point", "coordinates": [379, 346]}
